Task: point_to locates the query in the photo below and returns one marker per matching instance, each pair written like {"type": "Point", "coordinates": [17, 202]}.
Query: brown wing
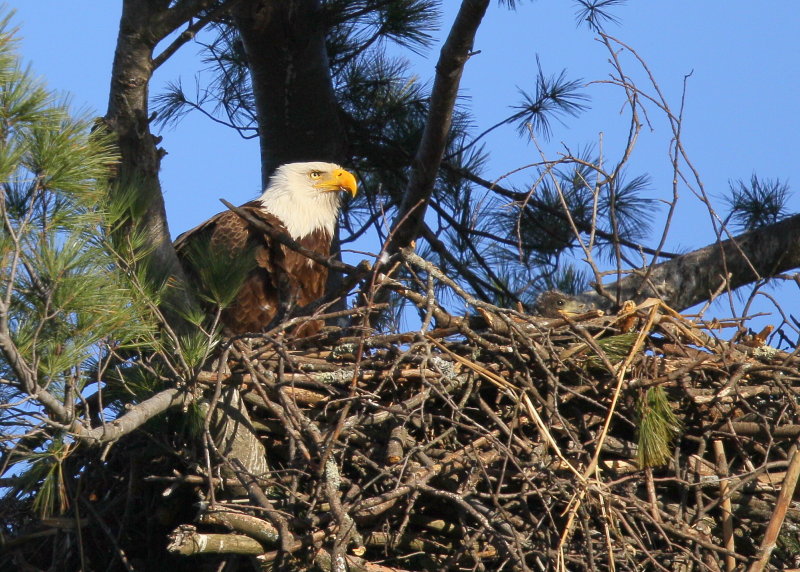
{"type": "Point", "coordinates": [276, 275]}
{"type": "Point", "coordinates": [229, 235]}
{"type": "Point", "coordinates": [308, 278]}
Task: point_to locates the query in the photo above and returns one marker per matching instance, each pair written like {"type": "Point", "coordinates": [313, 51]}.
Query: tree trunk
{"type": "Point", "coordinates": [140, 157]}
{"type": "Point", "coordinates": [298, 117]}
{"type": "Point", "coordinates": [143, 24]}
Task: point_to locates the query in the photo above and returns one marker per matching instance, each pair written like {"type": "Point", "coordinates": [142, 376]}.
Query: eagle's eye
{"type": "Point", "coordinates": [315, 174]}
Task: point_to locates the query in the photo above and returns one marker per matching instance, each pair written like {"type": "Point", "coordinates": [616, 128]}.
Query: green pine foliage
{"type": "Point", "coordinates": [73, 305]}
{"type": "Point", "coordinates": [65, 294]}
{"type": "Point", "coordinates": [220, 274]}
{"type": "Point", "coordinates": [44, 479]}
{"type": "Point", "coordinates": [658, 428]}
{"type": "Point", "coordinates": [759, 203]}
{"type": "Point", "coordinates": [554, 96]}
{"type": "Point", "coordinates": [616, 348]}
{"type": "Point", "coordinates": [618, 208]}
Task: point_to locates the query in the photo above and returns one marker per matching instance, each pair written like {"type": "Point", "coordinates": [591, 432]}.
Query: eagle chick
{"type": "Point", "coordinates": [552, 304]}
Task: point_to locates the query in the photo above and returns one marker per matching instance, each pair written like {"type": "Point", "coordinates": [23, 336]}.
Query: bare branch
{"type": "Point", "coordinates": [454, 55]}
{"type": "Point", "coordinates": [137, 416]}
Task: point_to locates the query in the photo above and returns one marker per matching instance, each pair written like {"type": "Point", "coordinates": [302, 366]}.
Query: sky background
{"type": "Point", "coordinates": [740, 112]}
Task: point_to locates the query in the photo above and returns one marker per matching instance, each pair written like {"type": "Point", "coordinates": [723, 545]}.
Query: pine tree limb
{"type": "Point", "coordinates": [693, 277]}
{"type": "Point", "coordinates": [452, 59]}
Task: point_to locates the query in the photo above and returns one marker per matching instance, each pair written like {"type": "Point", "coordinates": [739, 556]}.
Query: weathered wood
{"type": "Point", "coordinates": [186, 541]}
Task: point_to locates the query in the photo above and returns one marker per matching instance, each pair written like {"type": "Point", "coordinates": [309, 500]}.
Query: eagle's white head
{"type": "Point", "coordinates": [305, 196]}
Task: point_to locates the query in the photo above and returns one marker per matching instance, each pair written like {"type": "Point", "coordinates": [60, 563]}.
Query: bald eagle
{"type": "Point", "coordinates": [301, 200]}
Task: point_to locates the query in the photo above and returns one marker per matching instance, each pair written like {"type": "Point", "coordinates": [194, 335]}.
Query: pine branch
{"type": "Point", "coordinates": [695, 276]}
{"type": "Point", "coordinates": [556, 212]}
{"type": "Point", "coordinates": [454, 55]}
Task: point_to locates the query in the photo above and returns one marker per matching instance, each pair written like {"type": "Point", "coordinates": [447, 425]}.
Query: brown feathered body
{"type": "Point", "coordinates": [281, 275]}
{"type": "Point", "coordinates": [298, 202]}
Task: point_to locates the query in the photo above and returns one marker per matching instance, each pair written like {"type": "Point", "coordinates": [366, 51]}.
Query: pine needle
{"type": "Point", "coordinates": [658, 428]}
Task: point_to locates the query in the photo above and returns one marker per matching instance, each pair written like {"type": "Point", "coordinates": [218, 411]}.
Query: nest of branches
{"type": "Point", "coordinates": [635, 441]}
{"type": "Point", "coordinates": [498, 441]}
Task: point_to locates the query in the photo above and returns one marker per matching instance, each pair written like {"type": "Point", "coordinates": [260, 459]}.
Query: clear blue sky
{"type": "Point", "coordinates": [740, 113]}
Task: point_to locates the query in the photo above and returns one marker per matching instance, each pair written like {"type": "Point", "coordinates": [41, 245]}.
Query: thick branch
{"type": "Point", "coordinates": [254, 527]}
{"type": "Point", "coordinates": [137, 416]}
{"type": "Point", "coordinates": [186, 541]}
{"type": "Point", "coordinates": [142, 26]}
{"type": "Point", "coordinates": [693, 277]}
{"type": "Point", "coordinates": [454, 55]}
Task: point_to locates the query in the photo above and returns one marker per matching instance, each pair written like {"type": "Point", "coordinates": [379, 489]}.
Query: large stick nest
{"type": "Point", "coordinates": [635, 441]}
{"type": "Point", "coordinates": [499, 441]}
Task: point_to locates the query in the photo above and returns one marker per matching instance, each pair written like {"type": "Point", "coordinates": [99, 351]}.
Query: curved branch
{"type": "Point", "coordinates": [454, 55]}
{"type": "Point", "coordinates": [137, 416]}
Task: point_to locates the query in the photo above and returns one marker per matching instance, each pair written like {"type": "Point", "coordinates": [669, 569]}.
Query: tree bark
{"type": "Point", "coordinates": [694, 277]}
{"type": "Point", "coordinates": [186, 541]}
{"type": "Point", "coordinates": [144, 23]}
{"type": "Point", "coordinates": [452, 59]}
{"type": "Point", "coordinates": [142, 26]}
{"type": "Point", "coordinates": [236, 438]}
{"type": "Point", "coordinates": [298, 116]}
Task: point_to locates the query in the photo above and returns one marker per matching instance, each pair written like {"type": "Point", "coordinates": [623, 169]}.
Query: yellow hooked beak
{"type": "Point", "coordinates": [338, 180]}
